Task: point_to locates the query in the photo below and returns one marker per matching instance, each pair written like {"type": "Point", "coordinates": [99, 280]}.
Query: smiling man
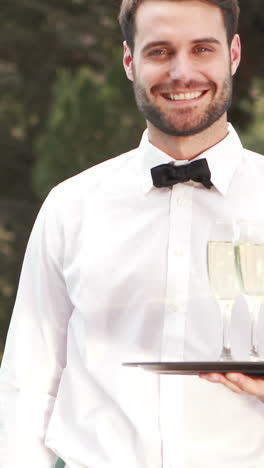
{"type": "Point", "coordinates": [182, 73]}
{"type": "Point", "coordinates": [115, 271]}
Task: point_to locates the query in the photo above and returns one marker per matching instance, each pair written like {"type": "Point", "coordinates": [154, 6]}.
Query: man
{"type": "Point", "coordinates": [115, 271]}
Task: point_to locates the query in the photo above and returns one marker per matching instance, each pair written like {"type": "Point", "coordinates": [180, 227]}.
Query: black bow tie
{"type": "Point", "coordinates": [166, 175]}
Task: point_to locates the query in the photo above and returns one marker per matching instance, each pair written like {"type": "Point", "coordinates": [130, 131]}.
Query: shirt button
{"type": "Point", "coordinates": [178, 251]}
{"type": "Point", "coordinates": [180, 201]}
{"type": "Point", "coordinates": [171, 309]}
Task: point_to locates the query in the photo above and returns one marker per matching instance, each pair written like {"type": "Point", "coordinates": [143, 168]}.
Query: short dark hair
{"type": "Point", "coordinates": [230, 9]}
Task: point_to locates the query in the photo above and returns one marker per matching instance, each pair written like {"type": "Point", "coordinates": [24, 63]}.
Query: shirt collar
{"type": "Point", "coordinates": [223, 160]}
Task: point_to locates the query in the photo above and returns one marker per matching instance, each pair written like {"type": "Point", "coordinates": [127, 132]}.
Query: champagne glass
{"type": "Point", "coordinates": [249, 254]}
{"type": "Point", "coordinates": [222, 276]}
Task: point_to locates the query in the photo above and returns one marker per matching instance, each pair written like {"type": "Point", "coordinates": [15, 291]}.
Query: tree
{"type": "Point", "coordinates": [36, 38]}
{"type": "Point", "coordinates": [93, 117]}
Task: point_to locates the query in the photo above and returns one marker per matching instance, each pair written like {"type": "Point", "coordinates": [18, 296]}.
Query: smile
{"type": "Point", "coordinates": [184, 96]}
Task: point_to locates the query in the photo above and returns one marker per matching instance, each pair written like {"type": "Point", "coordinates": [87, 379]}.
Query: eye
{"type": "Point", "coordinates": [159, 53]}
{"type": "Point", "coordinates": [202, 49]}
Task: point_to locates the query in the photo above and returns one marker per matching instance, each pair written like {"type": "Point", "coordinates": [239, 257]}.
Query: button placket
{"type": "Point", "coordinates": [178, 271]}
{"type": "Point", "coordinates": [174, 323]}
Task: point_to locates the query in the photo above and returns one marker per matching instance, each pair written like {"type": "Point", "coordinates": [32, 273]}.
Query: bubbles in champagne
{"type": "Point", "coordinates": [250, 268]}
{"type": "Point", "coordinates": [222, 270]}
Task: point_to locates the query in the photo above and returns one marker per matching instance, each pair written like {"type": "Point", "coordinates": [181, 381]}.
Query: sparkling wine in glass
{"type": "Point", "coordinates": [223, 277]}
{"type": "Point", "coordinates": [249, 254]}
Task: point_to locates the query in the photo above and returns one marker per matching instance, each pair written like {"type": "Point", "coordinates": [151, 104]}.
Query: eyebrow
{"type": "Point", "coordinates": [207, 40]}
{"type": "Point", "coordinates": [210, 40]}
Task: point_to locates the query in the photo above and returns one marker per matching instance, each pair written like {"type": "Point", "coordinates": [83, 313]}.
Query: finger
{"type": "Point", "coordinates": [250, 385]}
{"type": "Point", "coordinates": [220, 378]}
{"type": "Point", "coordinates": [212, 377]}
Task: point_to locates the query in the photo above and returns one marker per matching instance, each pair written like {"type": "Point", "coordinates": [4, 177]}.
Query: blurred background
{"type": "Point", "coordinates": [66, 105]}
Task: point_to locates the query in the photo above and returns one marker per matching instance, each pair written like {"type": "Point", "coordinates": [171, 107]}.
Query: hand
{"type": "Point", "coordinates": [238, 383]}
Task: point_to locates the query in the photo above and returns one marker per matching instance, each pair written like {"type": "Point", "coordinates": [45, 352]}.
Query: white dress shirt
{"type": "Point", "coordinates": [115, 271]}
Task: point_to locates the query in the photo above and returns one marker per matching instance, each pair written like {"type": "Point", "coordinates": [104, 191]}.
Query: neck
{"type": "Point", "coordinates": [187, 148]}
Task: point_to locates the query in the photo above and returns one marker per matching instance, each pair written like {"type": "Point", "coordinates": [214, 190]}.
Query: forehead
{"type": "Point", "coordinates": [169, 20]}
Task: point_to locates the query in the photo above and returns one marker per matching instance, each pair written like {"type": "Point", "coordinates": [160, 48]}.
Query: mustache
{"type": "Point", "coordinates": [183, 85]}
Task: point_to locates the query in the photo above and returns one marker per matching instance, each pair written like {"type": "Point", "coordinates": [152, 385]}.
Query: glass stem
{"type": "Point", "coordinates": [254, 303]}
{"type": "Point", "coordinates": [226, 306]}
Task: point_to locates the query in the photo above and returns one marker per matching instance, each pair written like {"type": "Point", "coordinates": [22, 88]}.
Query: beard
{"type": "Point", "coordinates": [185, 121]}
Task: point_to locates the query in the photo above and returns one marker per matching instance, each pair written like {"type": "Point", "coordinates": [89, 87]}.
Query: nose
{"type": "Point", "coordinates": [181, 67]}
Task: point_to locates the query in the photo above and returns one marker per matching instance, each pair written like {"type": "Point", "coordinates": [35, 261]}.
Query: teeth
{"type": "Point", "coordinates": [184, 96]}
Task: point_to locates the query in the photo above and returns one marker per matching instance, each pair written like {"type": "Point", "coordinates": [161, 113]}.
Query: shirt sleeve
{"type": "Point", "coordinates": [35, 352]}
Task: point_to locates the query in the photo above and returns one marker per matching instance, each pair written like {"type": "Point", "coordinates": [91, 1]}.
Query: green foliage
{"type": "Point", "coordinates": [93, 117]}
{"type": "Point", "coordinates": [253, 137]}
{"type": "Point", "coordinates": [16, 219]}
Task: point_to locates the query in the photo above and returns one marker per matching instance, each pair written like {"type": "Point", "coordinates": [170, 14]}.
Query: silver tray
{"type": "Point", "coordinates": [255, 369]}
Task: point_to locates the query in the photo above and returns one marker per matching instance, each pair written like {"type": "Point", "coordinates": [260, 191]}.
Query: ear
{"type": "Point", "coordinates": [128, 62]}
{"type": "Point", "coordinates": [235, 53]}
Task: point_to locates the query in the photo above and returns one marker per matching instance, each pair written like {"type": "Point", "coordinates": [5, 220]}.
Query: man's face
{"type": "Point", "coordinates": [182, 66]}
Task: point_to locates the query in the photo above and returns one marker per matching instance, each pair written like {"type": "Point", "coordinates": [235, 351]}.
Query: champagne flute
{"type": "Point", "coordinates": [249, 254]}
{"type": "Point", "coordinates": [222, 276]}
